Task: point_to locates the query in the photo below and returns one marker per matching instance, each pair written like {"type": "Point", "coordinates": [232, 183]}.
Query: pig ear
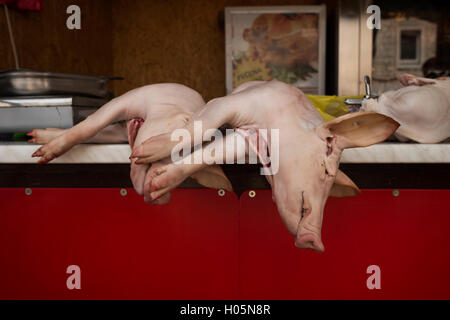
{"type": "Point", "coordinates": [213, 177]}
{"type": "Point", "coordinates": [343, 186]}
{"type": "Point", "coordinates": [358, 129]}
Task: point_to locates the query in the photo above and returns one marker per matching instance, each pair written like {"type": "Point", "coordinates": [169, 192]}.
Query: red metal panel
{"type": "Point", "coordinates": [189, 248]}
{"type": "Point", "coordinates": [124, 247]}
{"type": "Point", "coordinates": [407, 236]}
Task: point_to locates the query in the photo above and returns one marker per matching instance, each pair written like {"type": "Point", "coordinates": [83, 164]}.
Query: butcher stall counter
{"type": "Point", "coordinates": [81, 210]}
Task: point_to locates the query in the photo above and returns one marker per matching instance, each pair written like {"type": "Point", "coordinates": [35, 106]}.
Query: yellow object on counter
{"type": "Point", "coordinates": [331, 107]}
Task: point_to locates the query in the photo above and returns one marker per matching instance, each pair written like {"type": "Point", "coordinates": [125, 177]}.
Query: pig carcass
{"type": "Point", "coordinates": [309, 150]}
{"type": "Point", "coordinates": [150, 110]}
{"type": "Point", "coordinates": [422, 108]}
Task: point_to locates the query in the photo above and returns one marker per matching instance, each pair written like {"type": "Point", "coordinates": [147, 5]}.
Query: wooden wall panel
{"type": "Point", "coordinates": [44, 42]}
{"type": "Point", "coordinates": [145, 41]}
{"type": "Point", "coordinates": [174, 41]}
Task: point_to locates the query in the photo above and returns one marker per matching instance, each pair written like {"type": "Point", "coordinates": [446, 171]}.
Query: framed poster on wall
{"type": "Point", "coordinates": [282, 42]}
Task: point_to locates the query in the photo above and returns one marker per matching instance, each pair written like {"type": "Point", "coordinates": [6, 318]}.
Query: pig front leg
{"type": "Point", "coordinates": [166, 175]}
{"type": "Point", "coordinates": [213, 115]}
{"type": "Point", "coordinates": [114, 133]}
{"type": "Point", "coordinates": [138, 174]}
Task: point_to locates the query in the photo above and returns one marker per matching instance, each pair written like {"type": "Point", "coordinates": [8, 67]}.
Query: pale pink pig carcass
{"type": "Point", "coordinates": [309, 150]}
{"type": "Point", "coordinates": [422, 108]}
{"type": "Point", "coordinates": [150, 110]}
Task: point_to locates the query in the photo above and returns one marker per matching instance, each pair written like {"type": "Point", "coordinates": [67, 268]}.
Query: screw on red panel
{"type": "Point", "coordinates": [28, 191]}
{"type": "Point", "coordinates": [252, 193]}
{"type": "Point", "coordinates": [123, 192]}
{"type": "Point", "coordinates": [395, 193]}
{"type": "Point", "coordinates": [221, 192]}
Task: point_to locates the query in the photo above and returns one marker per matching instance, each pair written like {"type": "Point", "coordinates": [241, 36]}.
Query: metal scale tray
{"type": "Point", "coordinates": [27, 82]}
{"type": "Point", "coordinates": [21, 114]}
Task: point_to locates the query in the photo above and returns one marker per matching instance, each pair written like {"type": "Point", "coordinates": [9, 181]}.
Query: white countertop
{"type": "Point", "coordinates": [20, 152]}
{"type": "Point", "coordinates": [398, 153]}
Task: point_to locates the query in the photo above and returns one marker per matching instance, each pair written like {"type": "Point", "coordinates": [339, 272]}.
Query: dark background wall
{"type": "Point", "coordinates": [175, 41]}
{"type": "Point", "coordinates": [44, 42]}
{"type": "Point", "coordinates": [145, 41]}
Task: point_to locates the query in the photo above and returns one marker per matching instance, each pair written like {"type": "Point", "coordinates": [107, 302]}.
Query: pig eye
{"type": "Point", "coordinates": [329, 147]}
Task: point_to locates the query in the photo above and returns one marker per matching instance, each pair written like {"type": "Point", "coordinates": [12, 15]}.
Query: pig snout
{"type": "Point", "coordinates": [308, 237]}
{"type": "Point", "coordinates": [305, 227]}
{"type": "Point", "coordinates": [309, 227]}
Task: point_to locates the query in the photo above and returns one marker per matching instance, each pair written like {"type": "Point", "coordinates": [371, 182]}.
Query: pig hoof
{"type": "Point", "coordinates": [164, 199]}
{"type": "Point", "coordinates": [51, 150]}
{"type": "Point", "coordinates": [164, 179]}
{"type": "Point", "coordinates": [150, 186]}
{"type": "Point", "coordinates": [45, 155]}
{"type": "Point", "coordinates": [43, 136]}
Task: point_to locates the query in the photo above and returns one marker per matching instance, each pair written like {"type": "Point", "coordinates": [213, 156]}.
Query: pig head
{"type": "Point", "coordinates": [308, 171]}
{"type": "Point", "coordinates": [308, 152]}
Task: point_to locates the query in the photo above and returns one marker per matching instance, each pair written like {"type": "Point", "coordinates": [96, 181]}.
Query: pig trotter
{"type": "Point", "coordinates": [52, 150]}
{"type": "Point", "coordinates": [161, 178]}
{"type": "Point", "coordinates": [43, 136]}
{"type": "Point", "coordinates": [153, 149]}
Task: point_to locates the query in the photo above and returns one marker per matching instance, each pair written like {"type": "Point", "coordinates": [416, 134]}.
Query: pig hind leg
{"type": "Point", "coordinates": [114, 133]}
{"type": "Point", "coordinates": [116, 110]}
{"type": "Point", "coordinates": [43, 136]}
{"type": "Point", "coordinates": [165, 175]}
